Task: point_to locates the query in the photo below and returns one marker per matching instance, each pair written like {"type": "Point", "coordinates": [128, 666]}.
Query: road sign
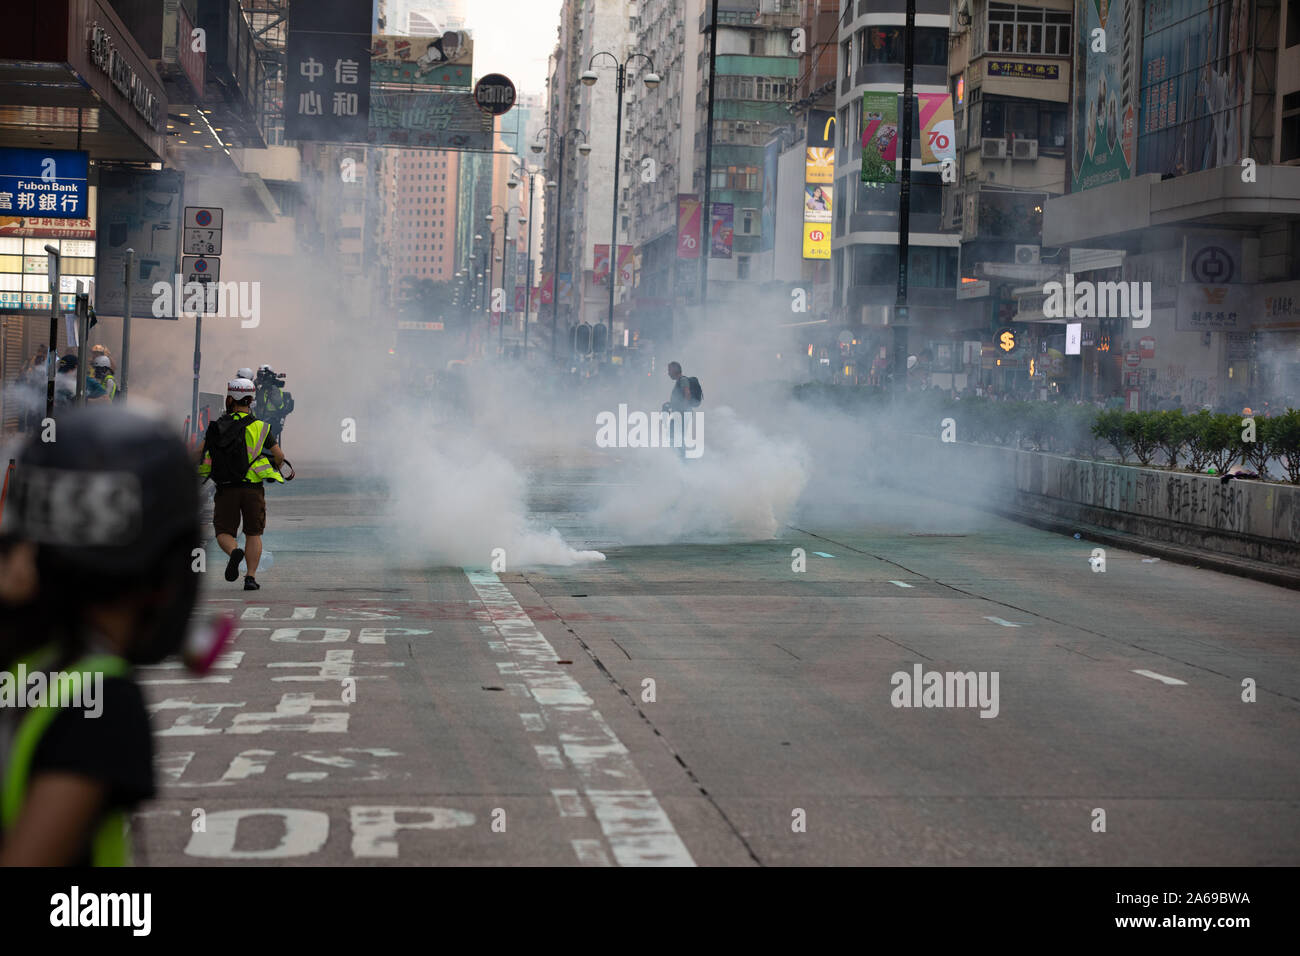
{"type": "Point", "coordinates": [494, 94]}
{"type": "Point", "coordinates": [1132, 359]}
{"type": "Point", "coordinates": [201, 269]}
{"type": "Point", "coordinates": [202, 242]}
{"type": "Point", "coordinates": [203, 217]}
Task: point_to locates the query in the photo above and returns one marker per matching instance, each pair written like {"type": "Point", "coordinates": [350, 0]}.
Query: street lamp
{"type": "Point", "coordinates": [584, 149]}
{"type": "Point", "coordinates": [651, 80]}
{"type": "Point", "coordinates": [532, 173]}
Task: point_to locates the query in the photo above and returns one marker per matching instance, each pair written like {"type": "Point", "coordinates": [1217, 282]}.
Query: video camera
{"type": "Point", "coordinates": [267, 377]}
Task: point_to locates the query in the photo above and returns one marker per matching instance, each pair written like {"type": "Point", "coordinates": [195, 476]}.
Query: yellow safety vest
{"type": "Point", "coordinates": [255, 433]}
{"type": "Point", "coordinates": [111, 844]}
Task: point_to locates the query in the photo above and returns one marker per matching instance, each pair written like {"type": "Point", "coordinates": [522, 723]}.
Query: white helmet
{"type": "Point", "coordinates": [244, 373]}
{"type": "Point", "coordinates": [102, 361]}
{"type": "Point", "coordinates": [240, 388]}
{"type": "Point", "coordinates": [264, 368]}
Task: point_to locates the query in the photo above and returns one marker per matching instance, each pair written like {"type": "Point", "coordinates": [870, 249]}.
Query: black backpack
{"type": "Point", "coordinates": [693, 391]}
{"type": "Point", "coordinates": [226, 446]}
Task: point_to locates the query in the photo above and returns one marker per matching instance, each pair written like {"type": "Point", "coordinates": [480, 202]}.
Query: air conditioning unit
{"type": "Point", "coordinates": [1027, 255]}
{"type": "Point", "coordinates": [1024, 149]}
{"type": "Point", "coordinates": [993, 149]}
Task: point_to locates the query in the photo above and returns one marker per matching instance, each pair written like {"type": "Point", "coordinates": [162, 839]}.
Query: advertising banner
{"type": "Point", "coordinates": [819, 156]}
{"type": "Point", "coordinates": [767, 222]}
{"type": "Point", "coordinates": [1104, 125]}
{"type": "Point", "coordinates": [1196, 81]}
{"type": "Point", "coordinates": [600, 263]}
{"type": "Point", "coordinates": [440, 120]}
{"type": "Point", "coordinates": [688, 227]}
{"type": "Point", "coordinates": [140, 210]}
{"type": "Point", "coordinates": [624, 266]}
{"type": "Point", "coordinates": [445, 60]}
{"type": "Point", "coordinates": [24, 280]}
{"type": "Point", "coordinates": [327, 79]}
{"type": "Point", "coordinates": [565, 289]}
{"type": "Point", "coordinates": [721, 229]}
{"type": "Point", "coordinates": [817, 202]}
{"type": "Point", "coordinates": [816, 240]}
{"type": "Point", "coordinates": [548, 288]}
{"type": "Point", "coordinates": [519, 299]}
{"type": "Point", "coordinates": [938, 135]}
{"type": "Point", "coordinates": [879, 139]}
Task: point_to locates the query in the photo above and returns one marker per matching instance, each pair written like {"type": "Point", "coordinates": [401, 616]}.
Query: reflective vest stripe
{"type": "Point", "coordinates": [110, 845]}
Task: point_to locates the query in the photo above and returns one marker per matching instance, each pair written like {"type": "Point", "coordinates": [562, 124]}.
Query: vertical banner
{"type": "Point", "coordinates": [1105, 89]}
{"type": "Point", "coordinates": [600, 263]}
{"type": "Point", "coordinates": [771, 155]}
{"type": "Point", "coordinates": [548, 288]}
{"type": "Point", "coordinates": [819, 159]}
{"type": "Point", "coordinates": [722, 228]}
{"type": "Point", "coordinates": [624, 267]}
{"type": "Point", "coordinates": [520, 302]}
{"type": "Point", "coordinates": [879, 136]}
{"type": "Point", "coordinates": [327, 83]}
{"type": "Point", "coordinates": [688, 227]}
{"type": "Point", "coordinates": [565, 289]}
{"type": "Point", "coordinates": [938, 134]}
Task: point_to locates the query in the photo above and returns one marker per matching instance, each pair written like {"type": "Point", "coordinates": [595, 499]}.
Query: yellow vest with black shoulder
{"type": "Point", "coordinates": [111, 842]}
{"type": "Point", "coordinates": [260, 469]}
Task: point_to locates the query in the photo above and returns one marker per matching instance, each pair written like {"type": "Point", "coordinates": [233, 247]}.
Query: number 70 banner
{"type": "Point", "coordinates": [880, 121]}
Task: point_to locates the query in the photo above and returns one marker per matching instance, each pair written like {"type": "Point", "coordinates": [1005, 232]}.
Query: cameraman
{"type": "Point", "coordinates": [272, 404]}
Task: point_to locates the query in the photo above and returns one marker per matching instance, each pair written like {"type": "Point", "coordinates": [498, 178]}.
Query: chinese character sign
{"type": "Point", "coordinates": [49, 183]}
{"type": "Point", "coordinates": [435, 119]}
{"type": "Point", "coordinates": [327, 81]}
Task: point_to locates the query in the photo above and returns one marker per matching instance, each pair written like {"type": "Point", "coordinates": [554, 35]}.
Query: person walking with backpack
{"type": "Point", "coordinates": [686, 396]}
{"type": "Point", "coordinates": [234, 455]}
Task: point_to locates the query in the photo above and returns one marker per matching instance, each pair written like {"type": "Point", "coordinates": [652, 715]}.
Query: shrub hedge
{"type": "Point", "coordinates": [1195, 442]}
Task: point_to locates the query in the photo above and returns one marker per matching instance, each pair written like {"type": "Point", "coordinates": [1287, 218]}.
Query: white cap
{"type": "Point", "coordinates": [239, 388]}
{"type": "Point", "coordinates": [102, 361]}
{"type": "Point", "coordinates": [244, 373]}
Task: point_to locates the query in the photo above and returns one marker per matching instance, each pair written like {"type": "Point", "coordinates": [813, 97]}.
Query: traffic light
{"type": "Point", "coordinates": [599, 335]}
{"type": "Point", "coordinates": [582, 339]}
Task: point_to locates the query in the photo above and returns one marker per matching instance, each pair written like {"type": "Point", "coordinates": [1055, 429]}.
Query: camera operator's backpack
{"type": "Point", "coordinates": [225, 443]}
{"type": "Point", "coordinates": [693, 391]}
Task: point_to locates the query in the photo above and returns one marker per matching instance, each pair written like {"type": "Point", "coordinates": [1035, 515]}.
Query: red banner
{"type": "Point", "coordinates": [537, 296]}
{"type": "Point", "coordinates": [624, 266]}
{"type": "Point", "coordinates": [548, 288]}
{"type": "Point", "coordinates": [688, 227]}
{"type": "Point", "coordinates": [600, 263]}
{"type": "Point", "coordinates": [520, 302]}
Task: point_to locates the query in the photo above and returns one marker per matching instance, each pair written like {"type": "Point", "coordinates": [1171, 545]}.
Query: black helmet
{"type": "Point", "coordinates": [68, 362]}
{"type": "Point", "coordinates": [113, 507]}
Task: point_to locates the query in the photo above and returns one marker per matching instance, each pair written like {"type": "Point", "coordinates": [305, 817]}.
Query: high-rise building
{"type": "Point", "coordinates": [424, 215]}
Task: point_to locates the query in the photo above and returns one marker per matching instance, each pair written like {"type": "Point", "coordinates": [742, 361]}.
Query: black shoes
{"type": "Point", "coordinates": [232, 566]}
{"type": "Point", "coordinates": [250, 584]}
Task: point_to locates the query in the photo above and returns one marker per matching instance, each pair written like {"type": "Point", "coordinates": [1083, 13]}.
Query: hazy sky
{"type": "Point", "coordinates": [514, 37]}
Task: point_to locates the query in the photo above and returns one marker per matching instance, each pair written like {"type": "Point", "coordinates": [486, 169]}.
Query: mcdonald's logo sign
{"type": "Point", "coordinates": [821, 129]}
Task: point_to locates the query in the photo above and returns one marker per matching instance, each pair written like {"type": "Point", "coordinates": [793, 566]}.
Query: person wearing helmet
{"type": "Point", "coordinates": [244, 373]}
{"type": "Point", "coordinates": [95, 559]}
{"type": "Point", "coordinates": [234, 455]}
{"type": "Point", "coordinates": [102, 386]}
{"type": "Point", "coordinates": [272, 403]}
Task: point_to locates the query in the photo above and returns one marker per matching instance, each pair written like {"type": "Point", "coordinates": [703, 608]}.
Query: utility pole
{"type": "Point", "coordinates": [126, 326]}
{"type": "Point", "coordinates": [706, 217]}
{"type": "Point", "coordinates": [901, 317]}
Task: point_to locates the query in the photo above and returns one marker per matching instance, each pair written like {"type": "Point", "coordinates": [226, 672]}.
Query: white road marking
{"type": "Point", "coordinates": [533, 723]}
{"type": "Point", "coordinates": [1161, 677]}
{"type": "Point", "coordinates": [823, 554]}
{"type": "Point", "coordinates": [569, 803]}
{"type": "Point", "coordinates": [998, 620]}
{"type": "Point", "coordinates": [901, 584]}
{"type": "Point", "coordinates": [591, 853]}
{"type": "Point", "coordinates": [259, 614]}
{"type": "Point", "coordinates": [549, 756]}
{"type": "Point", "coordinates": [635, 825]}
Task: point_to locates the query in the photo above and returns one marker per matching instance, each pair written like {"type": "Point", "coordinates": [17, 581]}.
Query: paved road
{"type": "Point", "coordinates": [707, 704]}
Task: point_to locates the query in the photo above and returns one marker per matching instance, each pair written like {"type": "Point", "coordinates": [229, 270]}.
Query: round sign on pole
{"type": "Point", "coordinates": [494, 94]}
{"type": "Point", "coordinates": [1133, 359]}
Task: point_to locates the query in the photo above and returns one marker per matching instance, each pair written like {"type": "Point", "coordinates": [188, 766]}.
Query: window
{"type": "Point", "coordinates": [846, 57]}
{"type": "Point", "coordinates": [885, 45]}
{"type": "Point", "coordinates": [1292, 22]}
{"type": "Point", "coordinates": [742, 267]}
{"type": "Point", "coordinates": [747, 220]}
{"type": "Point", "coordinates": [1290, 127]}
{"type": "Point", "coordinates": [1032, 31]}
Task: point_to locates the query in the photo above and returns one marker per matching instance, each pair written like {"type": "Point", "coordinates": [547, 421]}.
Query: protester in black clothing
{"type": "Point", "coordinates": [90, 588]}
